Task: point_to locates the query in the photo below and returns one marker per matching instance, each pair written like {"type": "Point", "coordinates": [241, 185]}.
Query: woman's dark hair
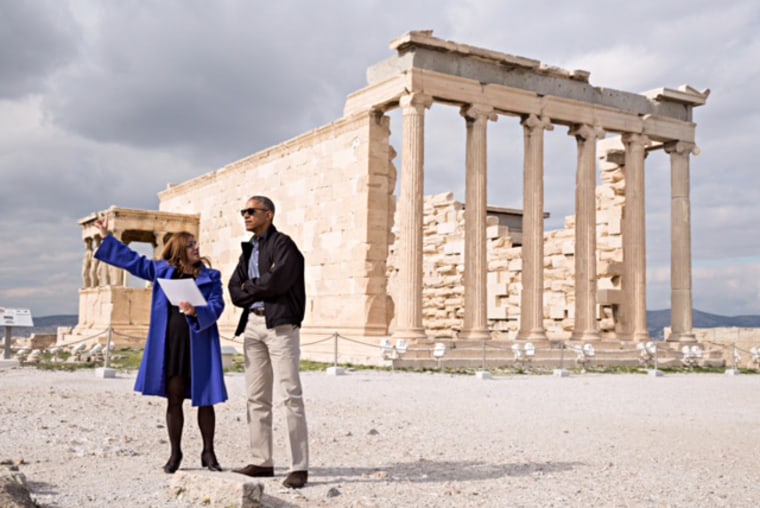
{"type": "Point", "coordinates": [175, 252]}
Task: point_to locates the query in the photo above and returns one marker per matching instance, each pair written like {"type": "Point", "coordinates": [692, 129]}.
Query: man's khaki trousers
{"type": "Point", "coordinates": [272, 362]}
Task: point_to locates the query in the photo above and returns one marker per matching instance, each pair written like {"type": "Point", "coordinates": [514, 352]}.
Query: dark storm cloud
{"type": "Point", "coordinates": [104, 103]}
{"type": "Point", "coordinates": [36, 39]}
{"type": "Point", "coordinates": [214, 79]}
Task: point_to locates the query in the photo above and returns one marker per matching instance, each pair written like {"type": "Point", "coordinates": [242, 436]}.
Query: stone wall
{"type": "Point", "coordinates": [125, 309]}
{"type": "Point", "coordinates": [333, 191]}
{"type": "Point", "coordinates": [443, 267]}
{"type": "Point", "coordinates": [724, 339]}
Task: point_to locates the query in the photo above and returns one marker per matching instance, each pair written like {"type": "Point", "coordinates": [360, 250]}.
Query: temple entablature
{"type": "Point", "coordinates": [107, 300]}
{"type": "Point", "coordinates": [129, 225]}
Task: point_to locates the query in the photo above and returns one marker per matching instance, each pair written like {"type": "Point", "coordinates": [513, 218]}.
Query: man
{"type": "Point", "coordinates": [268, 284]}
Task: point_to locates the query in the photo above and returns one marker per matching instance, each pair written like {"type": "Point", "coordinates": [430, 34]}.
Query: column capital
{"type": "Point", "coordinates": [681, 148]}
{"type": "Point", "coordinates": [534, 122]}
{"type": "Point", "coordinates": [415, 100]}
{"type": "Point", "coordinates": [586, 131]}
{"type": "Point", "coordinates": [478, 111]}
{"type": "Point", "coordinates": [636, 139]}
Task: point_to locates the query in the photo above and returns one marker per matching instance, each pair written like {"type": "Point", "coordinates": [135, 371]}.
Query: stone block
{"type": "Point", "coordinates": [513, 253]}
{"type": "Point", "coordinates": [559, 261]}
{"type": "Point", "coordinates": [568, 248]}
{"type": "Point", "coordinates": [497, 265]}
{"type": "Point", "coordinates": [552, 248]}
{"type": "Point", "coordinates": [611, 243]}
{"type": "Point", "coordinates": [609, 296]}
{"type": "Point", "coordinates": [446, 228]}
{"type": "Point", "coordinates": [218, 489]}
{"type": "Point", "coordinates": [105, 373]}
{"type": "Point", "coordinates": [496, 231]}
{"type": "Point", "coordinates": [42, 340]}
{"type": "Point", "coordinates": [453, 248]}
{"type": "Point", "coordinates": [557, 312]}
{"type": "Point", "coordinates": [442, 199]}
{"type": "Point", "coordinates": [497, 312]}
{"type": "Point", "coordinates": [605, 193]}
{"type": "Point", "coordinates": [615, 227]}
{"type": "Point", "coordinates": [609, 267]}
{"type": "Point", "coordinates": [503, 242]}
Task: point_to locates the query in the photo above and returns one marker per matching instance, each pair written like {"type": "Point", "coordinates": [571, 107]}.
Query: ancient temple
{"type": "Point", "coordinates": [381, 265]}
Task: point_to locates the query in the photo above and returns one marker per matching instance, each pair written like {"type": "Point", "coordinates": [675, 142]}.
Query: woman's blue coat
{"type": "Point", "coordinates": [207, 379]}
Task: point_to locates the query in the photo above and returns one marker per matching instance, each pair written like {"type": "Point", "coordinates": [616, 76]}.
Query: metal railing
{"type": "Point", "coordinates": [519, 355]}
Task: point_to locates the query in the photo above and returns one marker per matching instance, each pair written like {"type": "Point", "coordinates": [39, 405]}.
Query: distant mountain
{"type": "Point", "coordinates": [46, 324]}
{"type": "Point", "coordinates": [656, 321]}
{"type": "Point", "coordinates": [659, 319]}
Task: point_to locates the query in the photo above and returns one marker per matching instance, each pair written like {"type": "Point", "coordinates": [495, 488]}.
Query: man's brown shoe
{"type": "Point", "coordinates": [296, 479]}
{"type": "Point", "coordinates": [255, 471]}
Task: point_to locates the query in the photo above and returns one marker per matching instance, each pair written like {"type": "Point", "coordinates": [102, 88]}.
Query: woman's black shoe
{"type": "Point", "coordinates": [208, 459]}
{"type": "Point", "coordinates": [173, 464]}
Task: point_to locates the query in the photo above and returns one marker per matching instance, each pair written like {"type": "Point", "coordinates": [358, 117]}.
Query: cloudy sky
{"type": "Point", "coordinates": [104, 103]}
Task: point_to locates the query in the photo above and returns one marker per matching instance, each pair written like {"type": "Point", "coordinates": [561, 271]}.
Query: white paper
{"type": "Point", "coordinates": [182, 290]}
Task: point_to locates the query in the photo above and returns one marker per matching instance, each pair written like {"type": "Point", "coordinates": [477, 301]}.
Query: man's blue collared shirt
{"type": "Point", "coordinates": [253, 268]}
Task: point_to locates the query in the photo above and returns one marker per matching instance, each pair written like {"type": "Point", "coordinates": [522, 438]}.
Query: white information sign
{"type": "Point", "coordinates": [16, 317]}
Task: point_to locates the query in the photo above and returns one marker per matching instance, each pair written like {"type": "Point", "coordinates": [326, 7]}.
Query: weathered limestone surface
{"type": "Point", "coordinates": [443, 291]}
{"type": "Point", "coordinates": [333, 190]}
{"type": "Point", "coordinates": [105, 299]}
{"type": "Point", "coordinates": [219, 489]}
{"type": "Point", "coordinates": [368, 274]}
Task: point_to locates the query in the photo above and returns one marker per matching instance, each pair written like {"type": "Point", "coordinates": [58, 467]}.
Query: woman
{"type": "Point", "coordinates": [182, 357]}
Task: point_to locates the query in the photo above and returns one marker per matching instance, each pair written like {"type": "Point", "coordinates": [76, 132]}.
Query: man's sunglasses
{"type": "Point", "coordinates": [251, 211]}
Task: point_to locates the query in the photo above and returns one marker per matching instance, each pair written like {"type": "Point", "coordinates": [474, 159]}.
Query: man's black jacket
{"type": "Point", "coordinates": [280, 284]}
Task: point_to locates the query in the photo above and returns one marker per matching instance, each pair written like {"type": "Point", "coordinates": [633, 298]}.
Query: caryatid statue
{"type": "Point", "coordinates": [87, 264]}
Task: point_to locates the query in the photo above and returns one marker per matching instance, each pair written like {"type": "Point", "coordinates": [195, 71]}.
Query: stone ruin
{"type": "Point", "coordinates": [381, 266]}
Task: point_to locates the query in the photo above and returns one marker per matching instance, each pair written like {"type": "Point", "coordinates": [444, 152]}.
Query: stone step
{"type": "Point", "coordinates": [547, 354]}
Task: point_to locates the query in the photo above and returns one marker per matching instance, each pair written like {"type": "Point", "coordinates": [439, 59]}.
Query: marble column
{"type": "Point", "coordinates": [634, 238]}
{"type": "Point", "coordinates": [475, 326]}
{"type": "Point", "coordinates": [532, 297]}
{"type": "Point", "coordinates": [585, 326]}
{"type": "Point", "coordinates": [408, 303]}
{"type": "Point", "coordinates": [680, 242]}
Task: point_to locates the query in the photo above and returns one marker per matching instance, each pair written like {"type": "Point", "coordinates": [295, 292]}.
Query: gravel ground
{"type": "Point", "coordinates": [402, 439]}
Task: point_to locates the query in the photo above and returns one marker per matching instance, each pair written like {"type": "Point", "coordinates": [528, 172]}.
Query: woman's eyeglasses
{"type": "Point", "coordinates": [251, 211]}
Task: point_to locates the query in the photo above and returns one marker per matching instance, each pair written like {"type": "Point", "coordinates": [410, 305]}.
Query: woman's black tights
{"type": "Point", "coordinates": [175, 420]}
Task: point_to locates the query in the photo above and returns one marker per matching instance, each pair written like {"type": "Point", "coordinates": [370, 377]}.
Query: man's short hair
{"type": "Point", "coordinates": [268, 204]}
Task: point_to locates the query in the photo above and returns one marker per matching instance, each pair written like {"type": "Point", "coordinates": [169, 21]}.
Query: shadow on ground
{"type": "Point", "coordinates": [432, 471]}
